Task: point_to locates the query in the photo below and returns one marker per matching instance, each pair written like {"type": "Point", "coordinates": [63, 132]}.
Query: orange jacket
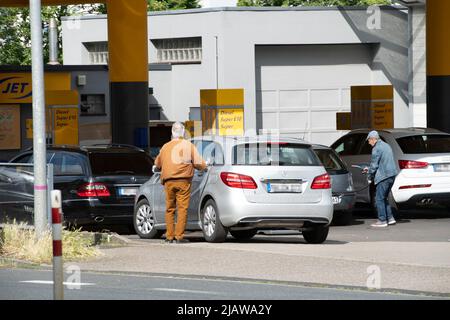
{"type": "Point", "coordinates": [177, 160]}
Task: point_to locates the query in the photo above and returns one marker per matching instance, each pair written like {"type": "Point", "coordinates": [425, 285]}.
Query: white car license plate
{"type": "Point", "coordinates": [127, 191]}
{"type": "Point", "coordinates": [336, 200]}
{"type": "Point", "coordinates": [284, 188]}
{"type": "Point", "coordinates": [445, 167]}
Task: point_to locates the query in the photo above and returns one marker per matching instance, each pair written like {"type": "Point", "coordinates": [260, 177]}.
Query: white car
{"type": "Point", "coordinates": [422, 157]}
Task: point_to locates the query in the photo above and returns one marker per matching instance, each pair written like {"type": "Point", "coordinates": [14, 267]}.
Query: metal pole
{"type": "Point", "coordinates": [53, 41]}
{"type": "Point", "coordinates": [217, 62]}
{"type": "Point", "coordinates": [39, 147]}
{"type": "Point", "coordinates": [50, 188]}
{"type": "Point", "coordinates": [58, 275]}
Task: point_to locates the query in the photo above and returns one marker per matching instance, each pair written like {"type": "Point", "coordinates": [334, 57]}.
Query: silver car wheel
{"type": "Point", "coordinates": [144, 219]}
{"type": "Point", "coordinates": [209, 220]}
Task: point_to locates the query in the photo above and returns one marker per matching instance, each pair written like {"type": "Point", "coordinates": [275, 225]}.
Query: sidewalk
{"type": "Point", "coordinates": [417, 266]}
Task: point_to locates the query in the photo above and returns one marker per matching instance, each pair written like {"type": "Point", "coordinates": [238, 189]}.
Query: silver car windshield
{"type": "Point", "coordinates": [278, 154]}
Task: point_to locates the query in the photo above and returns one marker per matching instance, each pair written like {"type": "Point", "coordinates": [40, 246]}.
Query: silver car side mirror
{"type": "Point", "coordinates": [155, 169]}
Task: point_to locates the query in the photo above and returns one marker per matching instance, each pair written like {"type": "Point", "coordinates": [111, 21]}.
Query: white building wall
{"type": "Point", "coordinates": [77, 31]}
{"type": "Point", "coordinates": [238, 31]}
{"type": "Point", "coordinates": [417, 66]}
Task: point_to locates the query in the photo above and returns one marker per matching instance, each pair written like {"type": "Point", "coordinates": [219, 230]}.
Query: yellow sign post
{"type": "Point", "coordinates": [65, 126]}
{"type": "Point", "coordinates": [372, 107]}
{"type": "Point", "coordinates": [222, 111]}
{"type": "Point", "coordinates": [231, 122]}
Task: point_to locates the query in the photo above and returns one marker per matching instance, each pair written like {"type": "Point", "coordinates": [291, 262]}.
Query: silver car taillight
{"type": "Point", "coordinates": [236, 180]}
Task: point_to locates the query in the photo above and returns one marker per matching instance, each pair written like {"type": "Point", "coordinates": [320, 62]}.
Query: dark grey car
{"type": "Point", "coordinates": [344, 195]}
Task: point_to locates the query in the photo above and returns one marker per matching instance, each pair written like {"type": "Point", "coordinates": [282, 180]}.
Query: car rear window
{"type": "Point", "coordinates": [278, 154]}
{"type": "Point", "coordinates": [121, 163]}
{"type": "Point", "coordinates": [330, 160]}
{"type": "Point", "coordinates": [425, 144]}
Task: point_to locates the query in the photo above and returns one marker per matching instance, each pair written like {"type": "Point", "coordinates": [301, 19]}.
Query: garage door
{"type": "Point", "coordinates": [299, 89]}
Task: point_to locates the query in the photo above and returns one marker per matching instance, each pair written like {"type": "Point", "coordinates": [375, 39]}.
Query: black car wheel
{"type": "Point", "coordinates": [144, 221]}
{"type": "Point", "coordinates": [316, 234]}
{"type": "Point", "coordinates": [342, 218]}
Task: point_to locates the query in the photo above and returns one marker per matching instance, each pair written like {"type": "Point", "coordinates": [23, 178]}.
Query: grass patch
{"type": "Point", "coordinates": [18, 242]}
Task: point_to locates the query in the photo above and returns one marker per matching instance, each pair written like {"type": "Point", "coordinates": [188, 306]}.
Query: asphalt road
{"type": "Point", "coordinates": [23, 284]}
{"type": "Point", "coordinates": [412, 226]}
{"type": "Point", "coordinates": [413, 258]}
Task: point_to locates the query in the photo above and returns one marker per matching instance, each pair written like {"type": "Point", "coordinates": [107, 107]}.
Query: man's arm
{"type": "Point", "coordinates": [197, 159]}
{"type": "Point", "coordinates": [158, 163]}
{"type": "Point", "coordinates": [374, 163]}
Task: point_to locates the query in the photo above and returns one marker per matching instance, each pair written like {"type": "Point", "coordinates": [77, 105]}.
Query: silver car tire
{"type": "Point", "coordinates": [212, 228]}
{"type": "Point", "coordinates": [144, 221]}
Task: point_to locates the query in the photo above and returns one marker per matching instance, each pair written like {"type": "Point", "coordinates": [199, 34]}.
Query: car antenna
{"type": "Point", "coordinates": [304, 132]}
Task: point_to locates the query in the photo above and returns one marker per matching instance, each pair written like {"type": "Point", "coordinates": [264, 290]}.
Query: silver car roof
{"type": "Point", "coordinates": [251, 139]}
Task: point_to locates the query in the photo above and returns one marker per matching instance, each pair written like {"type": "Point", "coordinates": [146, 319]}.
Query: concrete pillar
{"type": "Point", "coordinates": [417, 67]}
{"type": "Point", "coordinates": [128, 71]}
{"type": "Point", "coordinates": [438, 64]}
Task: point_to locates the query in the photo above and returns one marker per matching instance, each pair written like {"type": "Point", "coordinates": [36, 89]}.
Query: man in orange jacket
{"type": "Point", "coordinates": [177, 160]}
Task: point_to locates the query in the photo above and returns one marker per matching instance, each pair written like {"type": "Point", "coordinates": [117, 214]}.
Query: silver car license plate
{"type": "Point", "coordinates": [127, 191]}
{"type": "Point", "coordinates": [444, 167]}
{"type": "Point", "coordinates": [284, 188]}
{"type": "Point", "coordinates": [336, 200]}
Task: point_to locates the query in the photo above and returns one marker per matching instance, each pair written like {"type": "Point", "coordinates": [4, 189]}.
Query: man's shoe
{"type": "Point", "coordinates": [182, 241]}
{"type": "Point", "coordinates": [168, 241]}
{"type": "Point", "coordinates": [379, 224]}
{"type": "Point", "coordinates": [392, 221]}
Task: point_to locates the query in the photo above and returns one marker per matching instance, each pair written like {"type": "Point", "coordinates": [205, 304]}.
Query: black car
{"type": "Point", "coordinates": [97, 183]}
{"type": "Point", "coordinates": [344, 195]}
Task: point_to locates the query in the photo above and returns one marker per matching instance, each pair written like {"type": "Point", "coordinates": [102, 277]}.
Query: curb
{"type": "Point", "coordinates": [105, 239]}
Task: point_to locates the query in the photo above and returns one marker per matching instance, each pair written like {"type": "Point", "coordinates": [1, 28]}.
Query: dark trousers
{"type": "Point", "coordinates": [381, 199]}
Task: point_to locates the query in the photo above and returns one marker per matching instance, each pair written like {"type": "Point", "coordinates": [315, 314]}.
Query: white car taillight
{"type": "Point", "coordinates": [409, 164]}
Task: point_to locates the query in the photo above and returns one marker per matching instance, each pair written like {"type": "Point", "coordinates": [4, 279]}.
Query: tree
{"type": "Point", "coordinates": [158, 5]}
{"type": "Point", "coordinates": [15, 35]}
{"type": "Point", "coordinates": [295, 3]}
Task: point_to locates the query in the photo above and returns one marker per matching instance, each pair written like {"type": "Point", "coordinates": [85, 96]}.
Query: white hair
{"type": "Point", "coordinates": [177, 130]}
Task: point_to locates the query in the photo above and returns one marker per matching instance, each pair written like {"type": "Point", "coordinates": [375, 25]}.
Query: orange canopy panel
{"type": "Point", "coordinates": [26, 3]}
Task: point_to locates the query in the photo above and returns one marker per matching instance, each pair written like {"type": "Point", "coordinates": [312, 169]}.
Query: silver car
{"type": "Point", "coordinates": [344, 196]}
{"type": "Point", "coordinates": [254, 183]}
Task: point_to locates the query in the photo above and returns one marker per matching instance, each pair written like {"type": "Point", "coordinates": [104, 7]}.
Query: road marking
{"type": "Point", "coordinates": [185, 291]}
{"type": "Point", "coordinates": [64, 283]}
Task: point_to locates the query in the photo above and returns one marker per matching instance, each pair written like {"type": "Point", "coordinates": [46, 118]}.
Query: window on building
{"type": "Point", "coordinates": [92, 104]}
{"type": "Point", "coordinates": [98, 52]}
{"type": "Point", "coordinates": [179, 50]}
